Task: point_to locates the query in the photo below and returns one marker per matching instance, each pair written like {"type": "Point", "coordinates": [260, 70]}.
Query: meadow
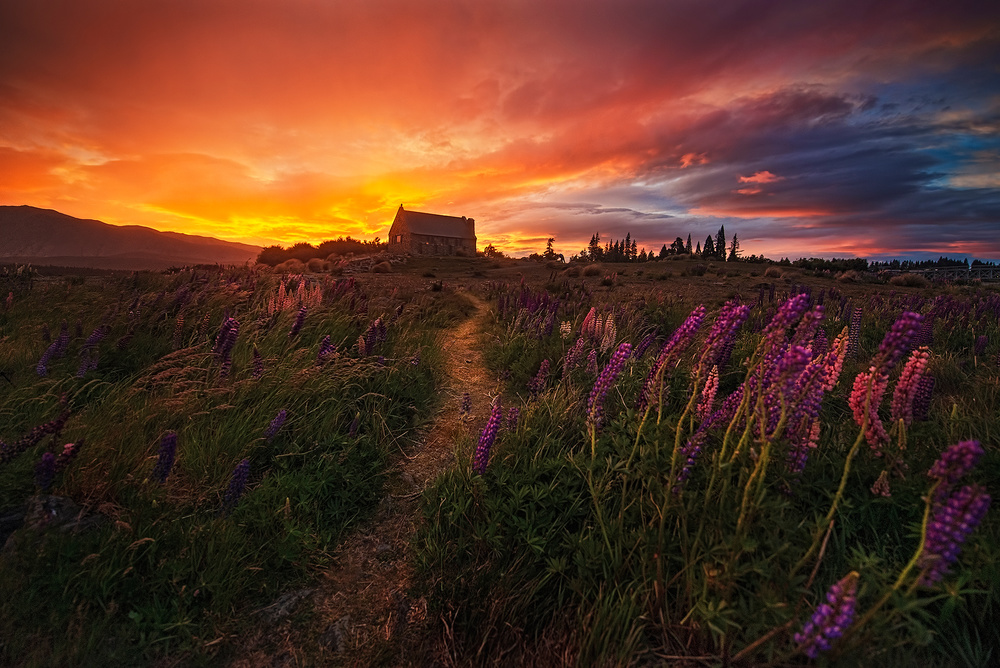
{"type": "Point", "coordinates": [686, 464]}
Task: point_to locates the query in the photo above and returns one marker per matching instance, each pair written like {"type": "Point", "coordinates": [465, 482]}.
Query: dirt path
{"type": "Point", "coordinates": [362, 615]}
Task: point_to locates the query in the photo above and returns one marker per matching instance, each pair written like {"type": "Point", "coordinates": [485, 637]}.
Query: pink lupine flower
{"type": "Point", "coordinates": [875, 432]}
{"type": "Point", "coordinates": [834, 361]}
{"type": "Point", "coordinates": [906, 386]}
{"type": "Point", "coordinates": [708, 394]}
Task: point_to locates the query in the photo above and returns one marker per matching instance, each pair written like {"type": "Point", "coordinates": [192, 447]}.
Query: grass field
{"type": "Point", "coordinates": [685, 464]}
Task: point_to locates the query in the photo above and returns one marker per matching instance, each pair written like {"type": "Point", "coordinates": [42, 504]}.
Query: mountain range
{"type": "Point", "coordinates": [46, 237]}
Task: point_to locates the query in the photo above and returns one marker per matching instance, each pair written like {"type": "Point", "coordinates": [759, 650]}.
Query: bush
{"type": "Point", "coordinates": [592, 270]}
{"type": "Point", "coordinates": [910, 281]}
{"type": "Point", "coordinates": [772, 272]}
{"type": "Point", "coordinates": [290, 267]}
{"type": "Point", "coordinates": [698, 270]}
{"type": "Point", "coordinates": [315, 265]}
{"type": "Point", "coordinates": [382, 268]}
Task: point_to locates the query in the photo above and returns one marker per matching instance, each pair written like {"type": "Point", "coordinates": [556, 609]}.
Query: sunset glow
{"type": "Point", "coordinates": [805, 128]}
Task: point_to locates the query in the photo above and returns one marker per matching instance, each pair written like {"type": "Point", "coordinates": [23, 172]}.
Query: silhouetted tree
{"type": "Point", "coordinates": [687, 247]}
{"type": "Point", "coordinates": [709, 249]}
{"type": "Point", "coordinates": [734, 249]}
{"type": "Point", "coordinates": [663, 252]}
{"type": "Point", "coordinates": [720, 243]}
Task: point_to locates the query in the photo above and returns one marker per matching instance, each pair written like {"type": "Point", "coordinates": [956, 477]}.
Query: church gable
{"type": "Point", "coordinates": [420, 233]}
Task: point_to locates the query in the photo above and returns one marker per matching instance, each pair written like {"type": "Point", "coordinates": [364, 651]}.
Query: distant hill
{"type": "Point", "coordinates": [43, 236]}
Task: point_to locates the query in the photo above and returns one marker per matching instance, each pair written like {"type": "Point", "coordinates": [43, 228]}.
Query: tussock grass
{"type": "Point", "coordinates": [167, 572]}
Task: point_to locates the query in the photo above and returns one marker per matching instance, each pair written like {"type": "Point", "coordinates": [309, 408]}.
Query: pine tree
{"type": "Point", "coordinates": [687, 248]}
{"type": "Point", "coordinates": [663, 252]}
{"type": "Point", "coordinates": [720, 243]}
{"type": "Point", "coordinates": [635, 249]}
{"type": "Point", "coordinates": [698, 250]}
{"type": "Point", "coordinates": [709, 249]}
{"type": "Point", "coordinates": [594, 248]}
{"type": "Point", "coordinates": [734, 249]}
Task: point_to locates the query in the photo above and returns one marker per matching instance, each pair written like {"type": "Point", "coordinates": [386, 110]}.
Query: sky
{"type": "Point", "coordinates": [808, 129]}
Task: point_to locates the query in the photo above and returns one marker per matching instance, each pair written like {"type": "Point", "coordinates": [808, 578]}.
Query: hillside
{"type": "Point", "coordinates": [44, 236]}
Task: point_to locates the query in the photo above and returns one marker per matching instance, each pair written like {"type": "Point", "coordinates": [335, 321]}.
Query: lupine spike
{"type": "Point", "coordinates": [486, 438]}
{"type": "Point", "coordinates": [275, 425]}
{"type": "Point", "coordinates": [595, 402]}
{"type": "Point", "coordinates": [237, 485]}
{"type": "Point", "coordinates": [832, 617]}
{"type": "Point", "coordinates": [165, 458]}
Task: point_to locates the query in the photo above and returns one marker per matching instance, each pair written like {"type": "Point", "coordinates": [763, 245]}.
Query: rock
{"type": "Point", "coordinates": [11, 520]}
{"type": "Point", "coordinates": [44, 513]}
{"type": "Point", "coordinates": [334, 638]}
{"type": "Point", "coordinates": [286, 604]}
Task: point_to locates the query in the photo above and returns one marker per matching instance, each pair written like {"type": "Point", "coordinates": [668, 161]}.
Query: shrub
{"type": "Point", "coordinates": [910, 281]}
{"type": "Point", "coordinates": [698, 270]}
{"type": "Point", "coordinates": [592, 270]}
{"type": "Point", "coordinates": [772, 272]}
{"type": "Point", "coordinates": [315, 265]}
{"type": "Point", "coordinates": [292, 266]}
{"type": "Point", "coordinates": [382, 268]}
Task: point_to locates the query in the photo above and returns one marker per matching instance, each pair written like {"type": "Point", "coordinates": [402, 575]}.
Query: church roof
{"type": "Point", "coordinates": [437, 225]}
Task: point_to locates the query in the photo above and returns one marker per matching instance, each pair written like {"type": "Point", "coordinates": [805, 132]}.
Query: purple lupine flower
{"type": "Point", "coordinates": [352, 430]}
{"type": "Point", "coordinates": [980, 345]}
{"type": "Point", "coordinates": [681, 337]}
{"type": "Point", "coordinates": [595, 402]}
{"type": "Point", "coordinates": [644, 345]}
{"type": "Point", "coordinates": [486, 439]}
{"type": "Point", "coordinates": [258, 364]}
{"type": "Point", "coordinates": [821, 343]}
{"type": "Point", "coordinates": [537, 384]}
{"type": "Point", "coordinates": [275, 426]}
{"type": "Point", "coordinates": [165, 459]}
{"type": "Point", "coordinates": [62, 343]}
{"type": "Point", "coordinates": [42, 368]}
{"type": "Point", "coordinates": [854, 333]}
{"type": "Point", "coordinates": [237, 484]}
{"type": "Point", "coordinates": [897, 341]}
{"type": "Point", "coordinates": [325, 348]}
{"type": "Point", "coordinates": [952, 521]}
{"type": "Point", "coordinates": [96, 336]}
{"type": "Point", "coordinates": [831, 618]}
{"type": "Point", "coordinates": [466, 406]}
{"type": "Point", "coordinates": [178, 331]}
{"type": "Point", "coordinates": [32, 438]}
{"type": "Point", "coordinates": [906, 387]}
{"type": "Point", "coordinates": [225, 343]}
{"type": "Point", "coordinates": [731, 317]}
{"type": "Point", "coordinates": [922, 398]}
{"type": "Point", "coordinates": [513, 415]}
{"type": "Point", "coordinates": [956, 461]}
{"type": "Point", "coordinates": [45, 471]}
{"type": "Point", "coordinates": [692, 448]}
{"type": "Point", "coordinates": [300, 318]}
{"type": "Point", "coordinates": [592, 361]}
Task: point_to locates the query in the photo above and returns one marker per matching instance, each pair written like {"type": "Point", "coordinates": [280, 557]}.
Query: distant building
{"type": "Point", "coordinates": [417, 233]}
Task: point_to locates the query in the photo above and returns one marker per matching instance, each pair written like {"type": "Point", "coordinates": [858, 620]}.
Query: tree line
{"type": "Point", "coordinates": [626, 250]}
{"type": "Point", "coordinates": [275, 255]}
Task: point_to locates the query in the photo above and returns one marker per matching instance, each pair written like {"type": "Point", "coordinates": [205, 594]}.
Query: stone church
{"type": "Point", "coordinates": [418, 233]}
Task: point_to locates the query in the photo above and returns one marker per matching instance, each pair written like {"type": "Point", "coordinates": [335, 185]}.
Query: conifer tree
{"type": "Point", "coordinates": [687, 248]}
{"type": "Point", "coordinates": [709, 249]}
{"type": "Point", "coordinates": [720, 243]}
{"type": "Point", "coordinates": [734, 249]}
